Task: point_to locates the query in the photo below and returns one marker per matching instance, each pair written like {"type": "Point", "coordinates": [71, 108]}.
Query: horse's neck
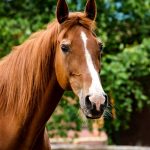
{"type": "Point", "coordinates": [26, 129]}
{"type": "Point", "coordinates": [30, 133]}
{"type": "Point", "coordinates": [36, 126]}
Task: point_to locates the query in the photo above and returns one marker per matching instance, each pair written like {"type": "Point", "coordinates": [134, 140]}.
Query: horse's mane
{"type": "Point", "coordinates": [25, 72]}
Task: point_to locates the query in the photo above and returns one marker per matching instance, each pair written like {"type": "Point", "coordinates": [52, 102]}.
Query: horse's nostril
{"type": "Point", "coordinates": [103, 106]}
{"type": "Point", "coordinates": [106, 100]}
{"type": "Point", "coordinates": [88, 102]}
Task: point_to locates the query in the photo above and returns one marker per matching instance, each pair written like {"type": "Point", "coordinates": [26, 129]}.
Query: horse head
{"type": "Point", "coordinates": [78, 54]}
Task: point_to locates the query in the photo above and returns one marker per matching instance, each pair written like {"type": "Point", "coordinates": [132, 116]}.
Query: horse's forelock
{"type": "Point", "coordinates": [79, 19]}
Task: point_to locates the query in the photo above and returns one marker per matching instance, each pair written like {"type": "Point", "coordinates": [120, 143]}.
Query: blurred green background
{"type": "Point", "coordinates": [124, 27]}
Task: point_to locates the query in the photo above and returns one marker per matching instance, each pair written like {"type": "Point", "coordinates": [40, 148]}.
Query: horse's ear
{"type": "Point", "coordinates": [91, 9]}
{"type": "Point", "coordinates": [62, 11]}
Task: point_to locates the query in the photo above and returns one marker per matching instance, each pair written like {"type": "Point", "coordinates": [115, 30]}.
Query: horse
{"type": "Point", "coordinates": [33, 76]}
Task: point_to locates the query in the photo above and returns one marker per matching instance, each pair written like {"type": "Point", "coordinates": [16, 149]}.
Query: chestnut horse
{"type": "Point", "coordinates": [35, 74]}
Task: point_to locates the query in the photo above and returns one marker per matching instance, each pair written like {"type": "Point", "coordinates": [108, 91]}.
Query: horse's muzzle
{"type": "Point", "coordinates": [94, 106]}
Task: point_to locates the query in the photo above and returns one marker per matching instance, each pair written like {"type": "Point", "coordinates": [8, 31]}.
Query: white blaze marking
{"type": "Point", "coordinates": [96, 87]}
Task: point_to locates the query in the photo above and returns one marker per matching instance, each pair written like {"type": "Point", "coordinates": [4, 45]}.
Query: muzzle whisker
{"type": "Point", "coordinates": [107, 114]}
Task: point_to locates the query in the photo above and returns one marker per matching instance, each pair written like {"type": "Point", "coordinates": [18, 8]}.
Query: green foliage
{"type": "Point", "coordinates": [120, 76]}
{"type": "Point", "coordinates": [18, 19]}
{"type": "Point", "coordinates": [66, 116]}
{"type": "Point", "coordinates": [123, 26]}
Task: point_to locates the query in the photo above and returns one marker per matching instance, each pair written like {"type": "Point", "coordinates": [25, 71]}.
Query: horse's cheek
{"type": "Point", "coordinates": [61, 73]}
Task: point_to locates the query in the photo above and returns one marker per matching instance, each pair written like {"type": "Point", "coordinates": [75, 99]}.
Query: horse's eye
{"type": "Point", "coordinates": [100, 47]}
{"type": "Point", "coordinates": [65, 48]}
